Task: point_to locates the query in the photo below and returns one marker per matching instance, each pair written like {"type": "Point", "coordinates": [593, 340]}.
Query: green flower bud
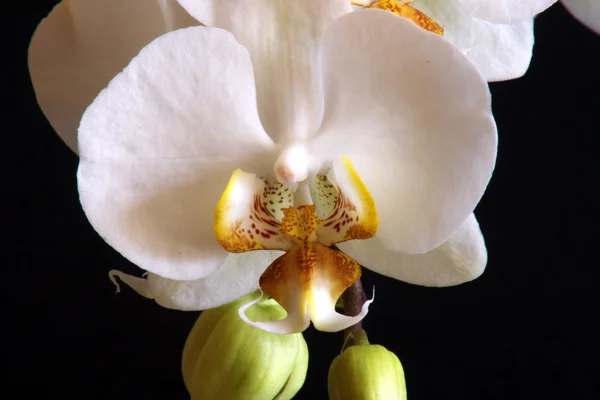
{"type": "Point", "coordinates": [366, 372]}
{"type": "Point", "coordinates": [225, 358]}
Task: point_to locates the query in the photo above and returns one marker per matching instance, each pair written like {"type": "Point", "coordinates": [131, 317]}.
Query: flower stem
{"type": "Point", "coordinates": [353, 298]}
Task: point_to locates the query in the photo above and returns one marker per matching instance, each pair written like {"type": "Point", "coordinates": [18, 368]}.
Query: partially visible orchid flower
{"type": "Point", "coordinates": [83, 44]}
{"type": "Point", "coordinates": [586, 11]}
{"type": "Point", "coordinates": [496, 35]}
{"type": "Point", "coordinates": [291, 89]}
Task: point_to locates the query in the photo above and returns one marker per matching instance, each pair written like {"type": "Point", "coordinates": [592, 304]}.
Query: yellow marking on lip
{"type": "Point", "coordinates": [244, 217]}
{"type": "Point", "coordinates": [299, 278]}
{"type": "Point", "coordinates": [404, 9]}
{"type": "Point", "coordinates": [354, 215]}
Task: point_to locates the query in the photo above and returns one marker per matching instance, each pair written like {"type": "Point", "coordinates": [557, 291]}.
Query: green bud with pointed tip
{"type": "Point", "coordinates": [366, 372]}
{"type": "Point", "coordinates": [224, 358]}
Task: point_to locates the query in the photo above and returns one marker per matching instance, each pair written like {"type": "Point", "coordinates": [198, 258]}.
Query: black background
{"type": "Point", "coordinates": [527, 329]}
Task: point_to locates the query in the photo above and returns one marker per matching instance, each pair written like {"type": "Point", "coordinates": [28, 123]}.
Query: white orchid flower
{"type": "Point", "coordinates": [586, 11]}
{"type": "Point", "coordinates": [496, 35]}
{"type": "Point", "coordinates": [83, 44]}
{"type": "Point", "coordinates": [297, 89]}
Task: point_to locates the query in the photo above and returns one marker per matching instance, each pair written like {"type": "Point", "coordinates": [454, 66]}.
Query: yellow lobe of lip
{"type": "Point", "coordinates": [354, 215]}
{"type": "Point", "coordinates": [245, 215]}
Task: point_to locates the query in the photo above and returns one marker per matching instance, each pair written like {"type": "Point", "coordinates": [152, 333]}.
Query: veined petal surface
{"type": "Point", "coordinates": [159, 144]}
{"type": "Point", "coordinates": [354, 215]}
{"type": "Point", "coordinates": [283, 38]}
{"type": "Point", "coordinates": [461, 258]}
{"type": "Point", "coordinates": [413, 116]}
{"type": "Point", "coordinates": [245, 218]}
{"type": "Point", "coordinates": [83, 44]}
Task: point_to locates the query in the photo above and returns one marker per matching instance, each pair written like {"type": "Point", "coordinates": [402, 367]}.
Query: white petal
{"type": "Point", "coordinates": [586, 11]}
{"type": "Point", "coordinates": [83, 44]}
{"type": "Point", "coordinates": [460, 259]}
{"type": "Point", "coordinates": [422, 139]}
{"type": "Point", "coordinates": [499, 51]}
{"type": "Point", "coordinates": [175, 16]}
{"type": "Point", "coordinates": [282, 37]}
{"type": "Point", "coordinates": [236, 278]}
{"type": "Point", "coordinates": [157, 148]}
{"type": "Point", "coordinates": [505, 11]}
{"type": "Point", "coordinates": [159, 215]}
{"type": "Point", "coordinates": [174, 102]}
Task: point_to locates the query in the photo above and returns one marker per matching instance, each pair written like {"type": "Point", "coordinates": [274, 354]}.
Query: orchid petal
{"type": "Point", "coordinates": [413, 116]}
{"type": "Point", "coordinates": [354, 215]}
{"type": "Point", "coordinates": [499, 51]}
{"type": "Point", "coordinates": [83, 44]}
{"type": "Point", "coordinates": [157, 147]}
{"type": "Point", "coordinates": [586, 11]}
{"type": "Point", "coordinates": [237, 277]}
{"type": "Point", "coordinates": [459, 259]}
{"type": "Point", "coordinates": [245, 216]}
{"type": "Point", "coordinates": [283, 39]}
{"type": "Point", "coordinates": [505, 11]}
{"type": "Point", "coordinates": [174, 15]}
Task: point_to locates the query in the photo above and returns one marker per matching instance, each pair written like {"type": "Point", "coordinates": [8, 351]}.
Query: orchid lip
{"type": "Point", "coordinates": [307, 280]}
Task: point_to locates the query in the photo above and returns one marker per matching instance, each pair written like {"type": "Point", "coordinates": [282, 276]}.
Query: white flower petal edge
{"type": "Point", "coordinates": [282, 37]}
{"type": "Point", "coordinates": [237, 277]}
{"type": "Point", "coordinates": [499, 51]}
{"type": "Point", "coordinates": [586, 11]}
{"type": "Point", "coordinates": [175, 16]}
{"type": "Point", "coordinates": [83, 44]}
{"type": "Point", "coordinates": [459, 259]}
{"type": "Point", "coordinates": [505, 11]}
{"type": "Point", "coordinates": [149, 175]}
{"type": "Point", "coordinates": [416, 125]}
